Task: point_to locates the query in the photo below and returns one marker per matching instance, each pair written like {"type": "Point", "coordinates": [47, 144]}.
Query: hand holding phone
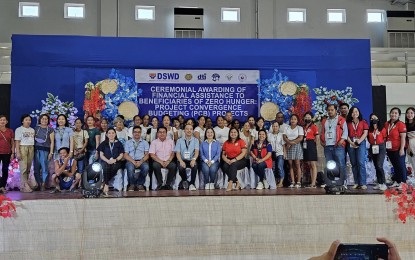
{"type": "Point", "coordinates": [361, 252]}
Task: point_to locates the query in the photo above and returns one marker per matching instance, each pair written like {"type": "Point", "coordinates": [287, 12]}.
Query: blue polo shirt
{"type": "Point", "coordinates": [185, 146]}
{"type": "Point", "coordinates": [136, 149]}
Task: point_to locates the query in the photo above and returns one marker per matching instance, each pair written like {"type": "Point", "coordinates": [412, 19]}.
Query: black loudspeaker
{"type": "Point", "coordinates": [379, 102]}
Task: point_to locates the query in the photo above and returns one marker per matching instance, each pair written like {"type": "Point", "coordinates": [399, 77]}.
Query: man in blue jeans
{"type": "Point", "coordinates": [136, 154]}
{"type": "Point", "coordinates": [333, 135]}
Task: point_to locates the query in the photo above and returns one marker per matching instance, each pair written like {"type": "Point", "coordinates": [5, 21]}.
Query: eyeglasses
{"type": "Point", "coordinates": [137, 132]}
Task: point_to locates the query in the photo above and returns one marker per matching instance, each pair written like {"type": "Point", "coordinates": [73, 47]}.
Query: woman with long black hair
{"type": "Point", "coordinates": [377, 150]}
{"type": "Point", "coordinates": [395, 146]}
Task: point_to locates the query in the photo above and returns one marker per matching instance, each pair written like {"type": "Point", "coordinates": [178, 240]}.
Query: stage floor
{"type": "Point", "coordinates": [41, 195]}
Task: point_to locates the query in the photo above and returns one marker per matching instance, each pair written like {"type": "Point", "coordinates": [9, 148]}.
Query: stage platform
{"type": "Point", "coordinates": [249, 224]}
{"type": "Point", "coordinates": [15, 195]}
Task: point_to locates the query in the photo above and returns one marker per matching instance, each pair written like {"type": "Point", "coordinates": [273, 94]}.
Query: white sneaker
{"type": "Point", "coordinates": [260, 186]}
{"type": "Point", "coordinates": [207, 186]}
{"type": "Point", "coordinates": [363, 187]}
{"type": "Point", "coordinates": [266, 184]}
{"type": "Point", "coordinates": [298, 185]}
{"type": "Point", "coordinates": [355, 186]}
{"type": "Point", "coordinates": [291, 185]}
{"type": "Point", "coordinates": [395, 184]}
{"type": "Point", "coordinates": [376, 187]}
{"type": "Point", "coordinates": [192, 187]}
{"type": "Point", "coordinates": [212, 186]}
{"type": "Point", "coordinates": [383, 187]}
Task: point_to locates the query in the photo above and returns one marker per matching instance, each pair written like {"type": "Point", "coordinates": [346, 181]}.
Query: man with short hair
{"type": "Point", "coordinates": [162, 152]}
{"type": "Point", "coordinates": [136, 154]}
{"type": "Point", "coordinates": [187, 151]}
{"type": "Point", "coordinates": [279, 117]}
{"type": "Point", "coordinates": [344, 110]}
{"type": "Point", "coordinates": [229, 117]}
{"type": "Point", "coordinates": [66, 176]}
{"type": "Point", "coordinates": [333, 135]}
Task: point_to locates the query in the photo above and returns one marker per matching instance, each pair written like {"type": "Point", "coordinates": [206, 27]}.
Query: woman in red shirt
{"type": "Point", "coordinates": [233, 154]}
{"type": "Point", "coordinates": [310, 147]}
{"type": "Point", "coordinates": [261, 153]}
{"type": "Point", "coordinates": [395, 146]}
{"type": "Point", "coordinates": [6, 151]}
{"type": "Point", "coordinates": [356, 146]}
{"type": "Point", "coordinates": [377, 151]}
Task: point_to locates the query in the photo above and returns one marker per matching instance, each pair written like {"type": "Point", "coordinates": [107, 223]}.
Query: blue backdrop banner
{"type": "Point", "coordinates": [192, 93]}
{"type": "Point", "coordinates": [71, 67]}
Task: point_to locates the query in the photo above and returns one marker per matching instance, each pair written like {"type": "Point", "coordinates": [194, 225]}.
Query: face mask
{"type": "Point", "coordinates": [374, 121]}
{"type": "Point", "coordinates": [307, 121]}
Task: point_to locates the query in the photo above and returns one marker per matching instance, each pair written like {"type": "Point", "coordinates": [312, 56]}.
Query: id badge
{"type": "Point", "coordinates": [375, 149]}
{"type": "Point", "coordinates": [388, 145]}
{"type": "Point", "coordinates": [305, 145]}
{"type": "Point", "coordinates": [330, 135]}
{"type": "Point", "coordinates": [187, 155]}
{"type": "Point", "coordinates": [137, 170]}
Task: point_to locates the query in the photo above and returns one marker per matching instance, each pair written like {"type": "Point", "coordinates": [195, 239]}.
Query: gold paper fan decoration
{"type": "Point", "coordinates": [109, 86]}
{"type": "Point", "coordinates": [128, 109]}
{"type": "Point", "coordinates": [269, 110]}
{"type": "Point", "coordinates": [288, 88]}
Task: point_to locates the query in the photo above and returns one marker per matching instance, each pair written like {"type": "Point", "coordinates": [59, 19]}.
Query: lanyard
{"type": "Point", "coordinates": [61, 133]}
{"type": "Point", "coordinates": [259, 147]}
{"type": "Point", "coordinates": [331, 122]}
{"type": "Point", "coordinates": [135, 146]}
{"type": "Point", "coordinates": [355, 126]}
{"type": "Point", "coordinates": [187, 143]}
{"type": "Point", "coordinates": [390, 127]}
{"type": "Point", "coordinates": [375, 134]}
{"type": "Point", "coordinates": [111, 147]}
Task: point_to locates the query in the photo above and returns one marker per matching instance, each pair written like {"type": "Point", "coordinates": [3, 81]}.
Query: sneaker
{"type": "Point", "coordinates": [298, 185]}
{"type": "Point", "coordinates": [192, 187]}
{"type": "Point", "coordinates": [212, 186]}
{"type": "Point", "coordinates": [260, 186]}
{"type": "Point", "coordinates": [266, 184]}
{"type": "Point", "coordinates": [323, 186]}
{"type": "Point", "coordinates": [363, 187]}
{"type": "Point", "coordinates": [311, 186]}
{"type": "Point", "coordinates": [356, 186]}
{"type": "Point", "coordinates": [383, 187]}
{"type": "Point", "coordinates": [395, 185]}
{"type": "Point", "coordinates": [291, 185]}
{"type": "Point", "coordinates": [55, 191]}
{"type": "Point", "coordinates": [131, 188]}
{"type": "Point", "coordinates": [376, 187]}
{"type": "Point", "coordinates": [141, 188]}
{"type": "Point", "coordinates": [207, 186]}
{"type": "Point", "coordinates": [185, 185]}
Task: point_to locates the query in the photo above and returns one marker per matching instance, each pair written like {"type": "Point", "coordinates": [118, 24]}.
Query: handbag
{"type": "Point", "coordinates": [79, 154]}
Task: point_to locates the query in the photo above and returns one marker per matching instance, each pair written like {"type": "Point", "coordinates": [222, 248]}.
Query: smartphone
{"type": "Point", "coordinates": [361, 252]}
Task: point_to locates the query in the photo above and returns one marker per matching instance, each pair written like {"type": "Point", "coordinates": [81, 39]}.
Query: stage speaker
{"type": "Point", "coordinates": [379, 102]}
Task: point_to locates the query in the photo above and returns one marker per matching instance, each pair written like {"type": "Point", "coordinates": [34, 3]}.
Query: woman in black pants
{"type": "Point", "coordinates": [233, 154]}
{"type": "Point", "coordinates": [377, 151]}
{"type": "Point", "coordinates": [111, 152]}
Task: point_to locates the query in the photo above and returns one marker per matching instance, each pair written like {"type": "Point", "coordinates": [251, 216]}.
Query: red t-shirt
{"type": "Point", "coordinates": [5, 141]}
{"type": "Point", "coordinates": [233, 149]}
{"type": "Point", "coordinates": [393, 134]}
{"type": "Point", "coordinates": [357, 130]}
{"type": "Point", "coordinates": [311, 132]}
{"type": "Point", "coordinates": [380, 137]}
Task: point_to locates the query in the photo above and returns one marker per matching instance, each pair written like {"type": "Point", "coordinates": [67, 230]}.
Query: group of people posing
{"type": "Point", "coordinates": [178, 144]}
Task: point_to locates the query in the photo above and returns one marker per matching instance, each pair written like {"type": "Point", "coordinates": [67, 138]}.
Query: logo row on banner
{"type": "Point", "coordinates": [197, 76]}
